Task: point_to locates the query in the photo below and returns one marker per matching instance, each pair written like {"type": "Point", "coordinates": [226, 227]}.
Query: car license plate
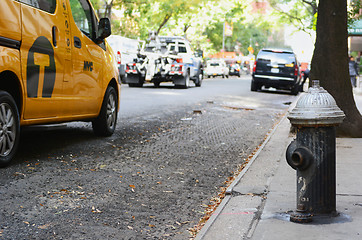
{"type": "Point", "coordinates": [275, 70]}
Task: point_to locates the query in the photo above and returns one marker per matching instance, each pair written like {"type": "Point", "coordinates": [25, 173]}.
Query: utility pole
{"type": "Point", "coordinates": [223, 41]}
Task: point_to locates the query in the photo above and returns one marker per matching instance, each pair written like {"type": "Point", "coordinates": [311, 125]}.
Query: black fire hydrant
{"type": "Point", "coordinates": [313, 153]}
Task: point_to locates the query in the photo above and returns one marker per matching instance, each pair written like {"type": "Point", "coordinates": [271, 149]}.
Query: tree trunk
{"type": "Point", "coordinates": [186, 27]}
{"type": "Point", "coordinates": [108, 9]}
{"type": "Point", "coordinates": [330, 63]}
{"type": "Point", "coordinates": [165, 20]}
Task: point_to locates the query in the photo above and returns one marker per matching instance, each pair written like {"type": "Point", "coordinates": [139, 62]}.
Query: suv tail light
{"type": "Point", "coordinates": [296, 69]}
{"type": "Point", "coordinates": [254, 68]}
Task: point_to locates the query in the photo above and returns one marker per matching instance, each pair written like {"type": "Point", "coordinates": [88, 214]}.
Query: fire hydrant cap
{"type": "Point", "coordinates": [317, 107]}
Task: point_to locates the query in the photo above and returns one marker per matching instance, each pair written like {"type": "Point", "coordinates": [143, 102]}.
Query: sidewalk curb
{"type": "Point", "coordinates": [229, 190]}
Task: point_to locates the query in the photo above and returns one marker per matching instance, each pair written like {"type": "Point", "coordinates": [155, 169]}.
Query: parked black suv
{"type": "Point", "coordinates": [277, 68]}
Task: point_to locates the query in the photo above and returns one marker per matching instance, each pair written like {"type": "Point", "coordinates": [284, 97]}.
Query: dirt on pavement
{"type": "Point", "coordinates": [152, 179]}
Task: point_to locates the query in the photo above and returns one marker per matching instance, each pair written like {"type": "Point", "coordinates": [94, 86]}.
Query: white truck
{"type": "Point", "coordinates": [165, 59]}
{"type": "Point", "coordinates": [125, 50]}
{"type": "Point", "coordinates": [216, 67]}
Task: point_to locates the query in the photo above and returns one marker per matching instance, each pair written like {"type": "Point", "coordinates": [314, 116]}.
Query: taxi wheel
{"type": "Point", "coordinates": [9, 128]}
{"type": "Point", "coordinates": [105, 123]}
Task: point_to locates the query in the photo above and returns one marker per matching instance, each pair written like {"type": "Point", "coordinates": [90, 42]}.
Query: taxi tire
{"type": "Point", "coordinates": [105, 124]}
{"type": "Point", "coordinates": [9, 108]}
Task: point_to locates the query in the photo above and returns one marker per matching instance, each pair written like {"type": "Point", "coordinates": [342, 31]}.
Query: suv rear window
{"type": "Point", "coordinates": [279, 57]}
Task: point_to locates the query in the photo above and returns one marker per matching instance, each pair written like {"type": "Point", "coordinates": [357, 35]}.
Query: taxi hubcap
{"type": "Point", "coordinates": [8, 129]}
{"type": "Point", "coordinates": [111, 111]}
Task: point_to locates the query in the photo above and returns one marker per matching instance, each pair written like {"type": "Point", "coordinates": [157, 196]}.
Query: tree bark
{"type": "Point", "coordinates": [330, 63]}
{"type": "Point", "coordinates": [165, 20]}
{"type": "Point", "coordinates": [108, 9]}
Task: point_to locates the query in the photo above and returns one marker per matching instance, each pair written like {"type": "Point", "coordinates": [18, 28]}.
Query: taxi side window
{"type": "Point", "coordinates": [82, 15]}
{"type": "Point", "coordinates": [45, 5]}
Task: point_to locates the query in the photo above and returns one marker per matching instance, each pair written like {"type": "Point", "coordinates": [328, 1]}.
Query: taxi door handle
{"type": "Point", "coordinates": [77, 42]}
{"type": "Point", "coordinates": [54, 35]}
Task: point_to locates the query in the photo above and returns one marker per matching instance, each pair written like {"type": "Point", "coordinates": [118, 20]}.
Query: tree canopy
{"type": "Point", "coordinates": [201, 21]}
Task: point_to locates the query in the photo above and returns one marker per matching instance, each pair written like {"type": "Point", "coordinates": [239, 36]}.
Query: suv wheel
{"type": "Point", "coordinates": [254, 86]}
{"type": "Point", "coordinates": [295, 89]}
{"type": "Point", "coordinates": [9, 128]}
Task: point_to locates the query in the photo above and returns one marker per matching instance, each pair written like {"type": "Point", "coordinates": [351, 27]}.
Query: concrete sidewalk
{"type": "Point", "coordinates": [264, 195]}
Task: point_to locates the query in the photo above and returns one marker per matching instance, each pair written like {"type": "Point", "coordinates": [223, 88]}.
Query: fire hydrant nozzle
{"type": "Point", "coordinates": [299, 157]}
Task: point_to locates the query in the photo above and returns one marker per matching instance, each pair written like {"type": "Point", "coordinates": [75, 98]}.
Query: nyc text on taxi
{"type": "Point", "coordinates": [55, 66]}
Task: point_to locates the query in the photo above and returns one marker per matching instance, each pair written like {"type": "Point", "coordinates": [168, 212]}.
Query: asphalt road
{"type": "Point", "coordinates": [172, 152]}
{"type": "Point", "coordinates": [148, 100]}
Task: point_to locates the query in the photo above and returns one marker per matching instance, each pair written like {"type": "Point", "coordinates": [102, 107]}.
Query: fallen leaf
{"type": "Point", "coordinates": [171, 226]}
{"type": "Point", "coordinates": [45, 226]}
{"type": "Point", "coordinates": [94, 210]}
{"type": "Point", "coordinates": [151, 225]}
{"type": "Point", "coordinates": [132, 186]}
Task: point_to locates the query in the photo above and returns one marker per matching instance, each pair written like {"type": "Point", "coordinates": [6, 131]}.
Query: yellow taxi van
{"type": "Point", "coordinates": [55, 66]}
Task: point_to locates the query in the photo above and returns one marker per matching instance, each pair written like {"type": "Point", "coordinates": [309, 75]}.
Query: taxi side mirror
{"type": "Point", "coordinates": [104, 30]}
